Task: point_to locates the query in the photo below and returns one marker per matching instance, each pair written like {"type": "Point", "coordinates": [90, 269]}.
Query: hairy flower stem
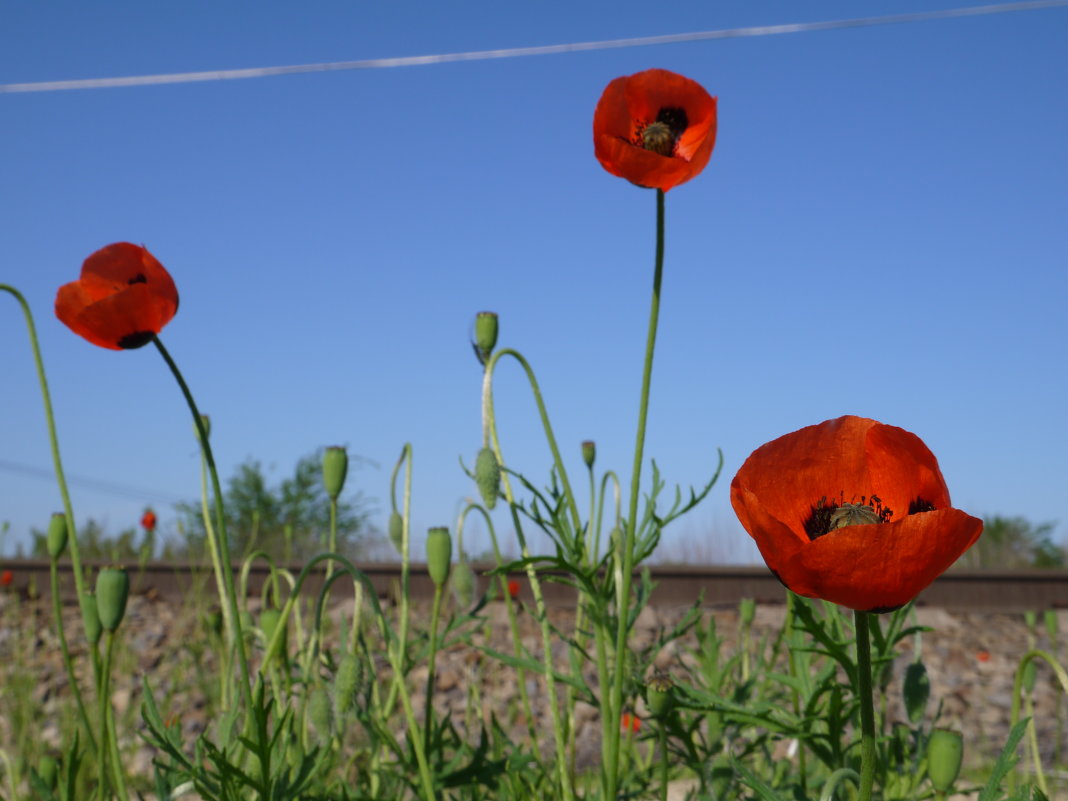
{"type": "Point", "coordinates": [867, 706]}
{"type": "Point", "coordinates": [68, 508]}
{"type": "Point", "coordinates": [57, 611]}
{"type": "Point", "coordinates": [223, 540]}
{"type": "Point", "coordinates": [226, 677]}
{"type": "Point", "coordinates": [611, 723]}
{"type": "Point", "coordinates": [107, 729]}
{"type": "Point", "coordinates": [432, 659]}
{"type": "Point", "coordinates": [1017, 694]}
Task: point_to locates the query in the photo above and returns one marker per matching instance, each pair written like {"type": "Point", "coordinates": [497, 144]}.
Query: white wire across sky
{"type": "Point", "coordinates": [517, 52]}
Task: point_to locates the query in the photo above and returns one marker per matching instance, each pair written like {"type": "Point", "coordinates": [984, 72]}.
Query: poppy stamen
{"type": "Point", "coordinates": [826, 516]}
{"type": "Point", "coordinates": [920, 505]}
{"type": "Point", "coordinates": [662, 135]}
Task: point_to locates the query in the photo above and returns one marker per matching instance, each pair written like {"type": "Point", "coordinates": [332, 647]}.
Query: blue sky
{"type": "Point", "coordinates": [880, 232]}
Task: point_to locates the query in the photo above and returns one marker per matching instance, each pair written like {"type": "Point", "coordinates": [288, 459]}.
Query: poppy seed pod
{"type": "Point", "coordinates": [589, 452]}
{"type": "Point", "coordinates": [488, 476]}
{"type": "Point", "coordinates": [57, 535]}
{"type": "Point", "coordinates": [485, 335]}
{"type": "Point", "coordinates": [945, 750]}
{"type": "Point", "coordinates": [438, 554]}
{"type": "Point", "coordinates": [396, 531]}
{"type": "Point", "coordinates": [91, 619]}
{"type": "Point", "coordinates": [660, 696]}
{"type": "Point", "coordinates": [112, 590]}
{"type": "Point", "coordinates": [916, 689]}
{"type": "Point", "coordinates": [335, 468]}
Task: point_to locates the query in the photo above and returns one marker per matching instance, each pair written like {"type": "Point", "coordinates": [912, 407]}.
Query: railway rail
{"type": "Point", "coordinates": [975, 590]}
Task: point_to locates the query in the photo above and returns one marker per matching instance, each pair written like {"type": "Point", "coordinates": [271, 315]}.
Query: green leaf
{"type": "Point", "coordinates": [1006, 762]}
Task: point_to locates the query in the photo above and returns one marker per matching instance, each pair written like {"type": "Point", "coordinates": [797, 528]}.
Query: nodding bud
{"type": "Point", "coordinates": [321, 713]}
{"type": "Point", "coordinates": [270, 619]}
{"type": "Point", "coordinates": [485, 335]}
{"type": "Point", "coordinates": [57, 535]}
{"type": "Point", "coordinates": [1031, 619]}
{"type": "Point", "coordinates": [396, 531]}
{"type": "Point", "coordinates": [91, 619]}
{"type": "Point", "coordinates": [488, 476]}
{"type": "Point", "coordinates": [1049, 617]}
{"type": "Point", "coordinates": [746, 611]}
{"type": "Point", "coordinates": [660, 696]}
{"type": "Point", "coordinates": [205, 421]}
{"type": "Point", "coordinates": [335, 468]}
{"type": "Point", "coordinates": [112, 590]}
{"type": "Point", "coordinates": [346, 682]}
{"type": "Point", "coordinates": [916, 690]}
{"type": "Point", "coordinates": [438, 554]}
{"type": "Point", "coordinates": [589, 452]}
{"type": "Point", "coordinates": [214, 619]}
{"type": "Point", "coordinates": [463, 583]}
{"type": "Point", "coordinates": [945, 750]}
{"type": "Point", "coordinates": [1029, 676]}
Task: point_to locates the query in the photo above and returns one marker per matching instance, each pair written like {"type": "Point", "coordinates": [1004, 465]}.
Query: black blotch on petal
{"type": "Point", "coordinates": [138, 279]}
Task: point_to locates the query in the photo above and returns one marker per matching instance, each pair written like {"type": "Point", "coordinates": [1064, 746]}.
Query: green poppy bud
{"type": "Point", "coordinates": [396, 531]}
{"type": "Point", "coordinates": [1049, 617]}
{"type": "Point", "coordinates": [321, 713]}
{"type": "Point", "coordinates": [660, 696]}
{"type": "Point", "coordinates": [438, 554]}
{"type": "Point", "coordinates": [112, 590]}
{"type": "Point", "coordinates": [1029, 676]}
{"type": "Point", "coordinates": [589, 452]}
{"type": "Point", "coordinates": [463, 583]}
{"type": "Point", "coordinates": [214, 619]}
{"type": "Point", "coordinates": [945, 750]}
{"type": "Point", "coordinates": [485, 335]}
{"type": "Point", "coordinates": [488, 476]}
{"type": "Point", "coordinates": [346, 682]}
{"type": "Point", "coordinates": [1031, 619]}
{"type": "Point", "coordinates": [270, 619]}
{"type": "Point", "coordinates": [57, 535]}
{"type": "Point", "coordinates": [205, 421]}
{"type": "Point", "coordinates": [48, 771]}
{"type": "Point", "coordinates": [746, 611]}
{"type": "Point", "coordinates": [91, 619]}
{"type": "Point", "coordinates": [335, 468]}
{"type": "Point", "coordinates": [917, 689]}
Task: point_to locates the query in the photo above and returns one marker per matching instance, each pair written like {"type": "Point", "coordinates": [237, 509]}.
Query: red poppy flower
{"type": "Point", "coordinates": [513, 588]}
{"type": "Point", "coordinates": [122, 300]}
{"type": "Point", "coordinates": [983, 656]}
{"type": "Point", "coordinates": [629, 721]}
{"type": "Point", "coordinates": [6, 578]}
{"type": "Point", "coordinates": [851, 511]}
{"type": "Point", "coordinates": [654, 128]}
{"type": "Point", "coordinates": [148, 520]}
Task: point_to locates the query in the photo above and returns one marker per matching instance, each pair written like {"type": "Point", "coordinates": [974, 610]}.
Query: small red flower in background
{"type": "Point", "coordinates": [630, 722]}
{"type": "Point", "coordinates": [122, 300]}
{"type": "Point", "coordinates": [852, 511]}
{"type": "Point", "coordinates": [654, 128]}
{"type": "Point", "coordinates": [513, 588]}
{"type": "Point", "coordinates": [6, 578]}
{"type": "Point", "coordinates": [983, 656]}
{"type": "Point", "coordinates": [148, 520]}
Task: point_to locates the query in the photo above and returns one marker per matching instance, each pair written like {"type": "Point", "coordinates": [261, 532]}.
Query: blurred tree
{"type": "Point", "coordinates": [1012, 542]}
{"type": "Point", "coordinates": [291, 521]}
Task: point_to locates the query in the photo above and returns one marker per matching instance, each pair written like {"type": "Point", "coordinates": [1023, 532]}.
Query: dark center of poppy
{"type": "Point", "coordinates": [825, 516]}
{"type": "Point", "coordinates": [661, 135]}
{"type": "Point", "coordinates": [138, 279]}
{"type": "Point", "coordinates": [136, 340]}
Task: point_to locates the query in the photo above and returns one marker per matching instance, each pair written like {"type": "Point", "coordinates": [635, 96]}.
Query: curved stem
{"type": "Point", "coordinates": [867, 707]}
{"type": "Point", "coordinates": [61, 479]}
{"type": "Point", "coordinates": [220, 523]}
{"type": "Point", "coordinates": [543, 413]}
{"type": "Point", "coordinates": [612, 727]}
